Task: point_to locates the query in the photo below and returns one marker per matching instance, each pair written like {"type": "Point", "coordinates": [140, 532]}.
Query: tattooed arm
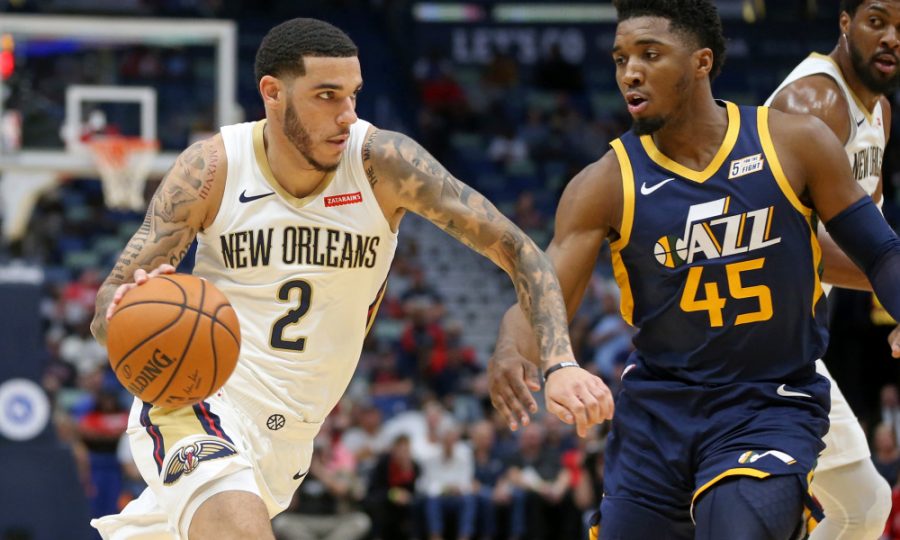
{"type": "Point", "coordinates": [406, 177]}
{"type": "Point", "coordinates": [589, 210]}
{"type": "Point", "coordinates": [185, 202]}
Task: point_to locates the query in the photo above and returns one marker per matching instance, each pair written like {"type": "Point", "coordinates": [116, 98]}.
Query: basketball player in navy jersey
{"type": "Point", "coordinates": [296, 220]}
{"type": "Point", "coordinates": [846, 90]}
{"type": "Point", "coordinates": [708, 208]}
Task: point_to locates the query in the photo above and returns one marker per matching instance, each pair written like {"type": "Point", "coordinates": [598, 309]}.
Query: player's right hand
{"type": "Point", "coordinates": [140, 277]}
{"type": "Point", "coordinates": [578, 397]}
{"type": "Point", "coordinates": [511, 380]}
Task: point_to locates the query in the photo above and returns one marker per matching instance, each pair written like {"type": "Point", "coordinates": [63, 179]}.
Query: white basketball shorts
{"type": "Point", "coordinates": [187, 455]}
{"type": "Point", "coordinates": [845, 441]}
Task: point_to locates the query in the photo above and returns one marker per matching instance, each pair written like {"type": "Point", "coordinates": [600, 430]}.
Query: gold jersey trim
{"type": "Point", "coordinates": [731, 136]}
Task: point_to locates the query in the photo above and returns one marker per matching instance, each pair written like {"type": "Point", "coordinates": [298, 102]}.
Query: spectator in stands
{"type": "Point", "coordinates": [80, 350]}
{"type": "Point", "coordinates": [892, 528]}
{"type": "Point", "coordinates": [423, 342]}
{"type": "Point", "coordinates": [363, 437]}
{"type": "Point", "coordinates": [526, 213]}
{"type": "Point", "coordinates": [555, 73]}
{"type": "Point", "coordinates": [451, 368]}
{"type": "Point", "coordinates": [421, 292]}
{"type": "Point", "coordinates": [492, 486]}
{"type": "Point", "coordinates": [886, 455]}
{"type": "Point", "coordinates": [537, 470]}
{"type": "Point", "coordinates": [390, 384]}
{"type": "Point", "coordinates": [501, 73]}
{"type": "Point", "coordinates": [506, 442]}
{"type": "Point", "coordinates": [132, 481]}
{"type": "Point", "coordinates": [100, 429]}
{"type": "Point", "coordinates": [446, 483]}
{"type": "Point", "coordinates": [83, 292]}
{"type": "Point", "coordinates": [391, 492]}
{"type": "Point", "coordinates": [890, 409]}
{"type": "Point", "coordinates": [507, 147]}
{"type": "Point", "coordinates": [325, 505]}
{"type": "Point", "coordinates": [589, 487]}
{"type": "Point", "coordinates": [610, 335]}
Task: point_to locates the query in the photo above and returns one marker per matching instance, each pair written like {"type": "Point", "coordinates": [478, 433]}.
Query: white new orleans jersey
{"type": "Point", "coordinates": [865, 145]}
{"type": "Point", "coordinates": [305, 276]}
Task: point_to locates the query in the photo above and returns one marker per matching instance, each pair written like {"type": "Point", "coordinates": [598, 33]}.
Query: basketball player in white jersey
{"type": "Point", "coordinates": [296, 219]}
{"type": "Point", "coordinates": [846, 90]}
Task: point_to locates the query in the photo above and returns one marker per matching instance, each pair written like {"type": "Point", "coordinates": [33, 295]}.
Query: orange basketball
{"type": "Point", "coordinates": [174, 340]}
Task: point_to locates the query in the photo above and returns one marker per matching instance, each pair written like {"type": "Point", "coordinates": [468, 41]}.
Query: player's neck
{"type": "Point", "coordinates": [841, 56]}
{"type": "Point", "coordinates": [291, 170]}
{"type": "Point", "coordinates": [693, 136]}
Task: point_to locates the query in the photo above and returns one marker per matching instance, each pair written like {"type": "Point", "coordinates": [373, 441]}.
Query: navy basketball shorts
{"type": "Point", "coordinates": [671, 441]}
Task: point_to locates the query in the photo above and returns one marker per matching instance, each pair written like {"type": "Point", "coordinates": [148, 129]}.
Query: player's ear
{"type": "Point", "coordinates": [844, 22]}
{"type": "Point", "coordinates": [703, 62]}
{"type": "Point", "coordinates": [271, 90]}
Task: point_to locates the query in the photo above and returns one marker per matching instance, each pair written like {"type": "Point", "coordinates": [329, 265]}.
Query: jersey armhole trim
{"type": "Point", "coordinates": [355, 155]}
{"type": "Point", "coordinates": [765, 139]}
{"type": "Point", "coordinates": [859, 104]}
{"type": "Point", "coordinates": [225, 211]}
{"type": "Point", "coordinates": [620, 272]}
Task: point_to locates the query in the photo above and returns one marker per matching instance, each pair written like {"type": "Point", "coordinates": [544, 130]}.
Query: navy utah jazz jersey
{"type": "Point", "coordinates": [719, 268]}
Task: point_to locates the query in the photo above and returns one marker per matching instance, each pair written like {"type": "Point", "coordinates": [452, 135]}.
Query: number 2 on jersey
{"type": "Point", "coordinates": [293, 316]}
{"type": "Point", "coordinates": [714, 304]}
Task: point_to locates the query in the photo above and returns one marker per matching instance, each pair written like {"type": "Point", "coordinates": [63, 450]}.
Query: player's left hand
{"type": "Point", "coordinates": [894, 341]}
{"type": "Point", "coordinates": [577, 397]}
{"type": "Point", "coordinates": [140, 277]}
{"type": "Point", "coordinates": [511, 380]}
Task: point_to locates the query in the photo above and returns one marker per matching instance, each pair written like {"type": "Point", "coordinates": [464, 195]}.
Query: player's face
{"type": "Point", "coordinates": [652, 71]}
{"type": "Point", "coordinates": [320, 109]}
{"type": "Point", "coordinates": [873, 40]}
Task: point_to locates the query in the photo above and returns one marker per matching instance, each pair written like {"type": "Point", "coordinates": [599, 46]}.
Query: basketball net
{"type": "Point", "coordinates": [124, 164]}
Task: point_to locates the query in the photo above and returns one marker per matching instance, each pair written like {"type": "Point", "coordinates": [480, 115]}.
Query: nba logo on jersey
{"type": "Point", "coordinates": [711, 232]}
{"type": "Point", "coordinates": [745, 166]}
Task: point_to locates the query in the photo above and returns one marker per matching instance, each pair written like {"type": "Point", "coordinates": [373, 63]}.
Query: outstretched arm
{"type": "Point", "coordinates": [583, 218]}
{"type": "Point", "coordinates": [175, 214]}
{"type": "Point", "coordinates": [406, 177]}
{"type": "Point", "coordinates": [411, 179]}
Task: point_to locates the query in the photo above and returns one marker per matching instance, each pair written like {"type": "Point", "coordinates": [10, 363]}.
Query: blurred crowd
{"type": "Point", "coordinates": [415, 450]}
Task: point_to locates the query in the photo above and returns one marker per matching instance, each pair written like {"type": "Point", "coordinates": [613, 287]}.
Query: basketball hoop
{"type": "Point", "coordinates": [124, 164]}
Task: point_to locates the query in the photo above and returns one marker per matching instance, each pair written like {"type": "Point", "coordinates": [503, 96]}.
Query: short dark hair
{"type": "Point", "coordinates": [850, 6]}
{"type": "Point", "coordinates": [282, 50]}
{"type": "Point", "coordinates": [697, 18]}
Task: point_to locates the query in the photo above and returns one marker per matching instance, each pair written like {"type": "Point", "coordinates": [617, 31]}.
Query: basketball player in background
{"type": "Point", "coordinates": [846, 90]}
{"type": "Point", "coordinates": [296, 219]}
{"type": "Point", "coordinates": [708, 208]}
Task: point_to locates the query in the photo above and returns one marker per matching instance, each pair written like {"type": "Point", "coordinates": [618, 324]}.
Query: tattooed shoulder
{"type": "Point", "coordinates": [393, 157]}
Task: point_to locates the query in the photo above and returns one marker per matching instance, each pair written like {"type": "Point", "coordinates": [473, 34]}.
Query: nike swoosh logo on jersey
{"type": "Point", "coordinates": [860, 123]}
{"type": "Point", "coordinates": [300, 475]}
{"type": "Point", "coordinates": [244, 198]}
{"type": "Point", "coordinates": [783, 391]}
{"type": "Point", "coordinates": [647, 190]}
